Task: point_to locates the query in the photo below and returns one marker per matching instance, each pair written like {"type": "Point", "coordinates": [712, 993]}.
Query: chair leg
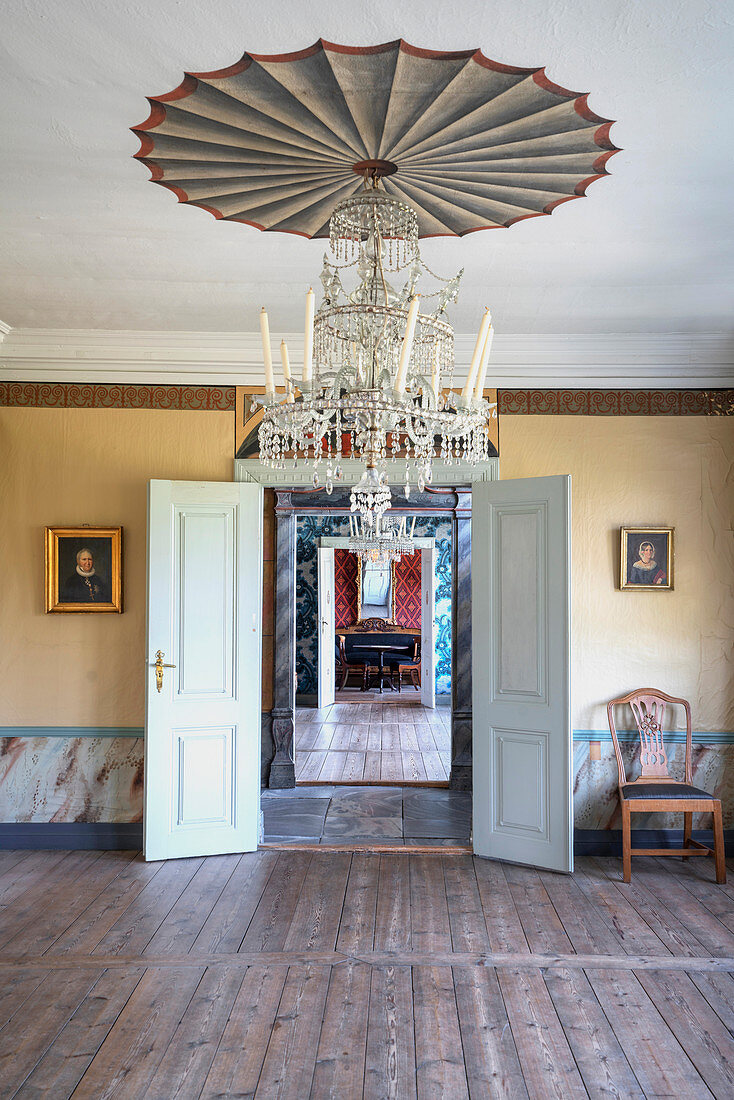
{"type": "Point", "coordinates": [626, 844]}
{"type": "Point", "coordinates": [400, 678]}
{"type": "Point", "coordinates": [687, 822]}
{"type": "Point", "coordinates": [719, 853]}
{"type": "Point", "coordinates": [414, 678]}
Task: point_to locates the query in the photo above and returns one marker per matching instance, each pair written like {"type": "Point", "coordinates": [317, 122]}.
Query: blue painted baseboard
{"type": "Point", "coordinates": [109, 836]}
{"type": "Point", "coordinates": [104, 835]}
{"type": "Point", "coordinates": [608, 842]}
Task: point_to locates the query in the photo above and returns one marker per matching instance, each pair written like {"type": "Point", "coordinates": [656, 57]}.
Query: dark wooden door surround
{"type": "Point", "coordinates": [291, 503]}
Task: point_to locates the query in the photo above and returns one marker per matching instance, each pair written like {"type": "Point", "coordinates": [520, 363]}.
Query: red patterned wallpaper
{"type": "Point", "coordinates": [408, 591]}
{"type": "Point", "coordinates": [345, 587]}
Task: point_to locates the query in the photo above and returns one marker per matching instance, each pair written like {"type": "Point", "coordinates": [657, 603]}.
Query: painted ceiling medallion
{"type": "Point", "coordinates": [276, 141]}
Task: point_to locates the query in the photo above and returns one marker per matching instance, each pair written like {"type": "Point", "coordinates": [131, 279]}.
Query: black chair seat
{"type": "Point", "coordinates": [662, 790]}
{"type": "Point", "coordinates": [404, 659]}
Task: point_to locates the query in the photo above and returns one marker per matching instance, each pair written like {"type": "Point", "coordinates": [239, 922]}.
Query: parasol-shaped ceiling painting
{"type": "Point", "coordinates": [275, 141]}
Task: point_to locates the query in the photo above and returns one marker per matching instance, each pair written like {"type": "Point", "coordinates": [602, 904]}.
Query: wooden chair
{"type": "Point", "coordinates": [345, 666]}
{"type": "Point", "coordinates": [655, 790]}
{"type": "Point", "coordinates": [410, 664]}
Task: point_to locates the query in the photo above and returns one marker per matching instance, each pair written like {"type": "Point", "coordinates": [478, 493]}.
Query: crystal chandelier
{"type": "Point", "coordinates": [383, 541]}
{"type": "Point", "coordinates": [377, 380]}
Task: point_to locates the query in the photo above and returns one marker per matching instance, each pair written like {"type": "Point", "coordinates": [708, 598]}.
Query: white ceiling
{"type": "Point", "coordinates": [88, 242]}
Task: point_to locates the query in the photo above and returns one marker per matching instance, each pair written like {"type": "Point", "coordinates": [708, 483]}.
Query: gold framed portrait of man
{"type": "Point", "coordinates": [83, 569]}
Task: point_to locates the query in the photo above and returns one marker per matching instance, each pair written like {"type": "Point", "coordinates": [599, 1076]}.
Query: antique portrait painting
{"type": "Point", "coordinates": [646, 555]}
{"type": "Point", "coordinates": [84, 569]}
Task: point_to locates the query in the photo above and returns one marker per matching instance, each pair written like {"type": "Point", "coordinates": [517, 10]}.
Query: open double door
{"type": "Point", "coordinates": [202, 735]}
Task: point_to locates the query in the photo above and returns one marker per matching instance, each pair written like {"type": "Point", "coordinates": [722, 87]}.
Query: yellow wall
{"type": "Point", "coordinates": [633, 471]}
{"type": "Point", "coordinates": [62, 467]}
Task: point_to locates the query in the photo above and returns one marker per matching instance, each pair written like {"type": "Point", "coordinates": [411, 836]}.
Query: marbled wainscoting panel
{"type": "Point", "coordinates": [311, 528]}
{"type": "Point", "coordinates": [57, 779]}
{"type": "Point", "coordinates": [596, 804]}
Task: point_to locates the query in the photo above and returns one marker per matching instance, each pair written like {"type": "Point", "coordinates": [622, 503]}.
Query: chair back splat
{"type": "Point", "coordinates": [649, 712]}
{"type": "Point", "coordinates": [648, 709]}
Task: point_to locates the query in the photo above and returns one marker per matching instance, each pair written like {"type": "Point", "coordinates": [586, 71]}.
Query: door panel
{"type": "Point", "coordinates": [327, 636]}
{"type": "Point", "coordinates": [428, 628]}
{"type": "Point", "coordinates": [203, 790]}
{"type": "Point", "coordinates": [523, 806]}
{"type": "Point", "coordinates": [205, 643]}
{"type": "Point", "coordinates": [202, 736]}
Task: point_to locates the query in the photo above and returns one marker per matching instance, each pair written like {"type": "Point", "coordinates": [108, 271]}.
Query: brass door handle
{"type": "Point", "coordinates": [159, 666]}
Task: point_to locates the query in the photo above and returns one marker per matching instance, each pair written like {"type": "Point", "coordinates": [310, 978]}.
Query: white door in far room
{"type": "Point", "coordinates": [202, 731]}
{"type": "Point", "coordinates": [428, 628]}
{"type": "Point", "coordinates": [522, 747]}
{"type": "Point", "coordinates": [327, 634]}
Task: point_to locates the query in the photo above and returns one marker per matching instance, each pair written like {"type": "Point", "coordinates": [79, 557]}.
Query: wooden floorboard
{"type": "Point", "coordinates": [365, 741]}
{"type": "Point", "coordinates": [357, 974]}
{"type": "Point", "coordinates": [59, 1070]}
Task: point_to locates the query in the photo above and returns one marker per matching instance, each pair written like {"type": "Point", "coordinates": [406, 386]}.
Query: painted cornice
{"type": "Point", "coordinates": [551, 361]}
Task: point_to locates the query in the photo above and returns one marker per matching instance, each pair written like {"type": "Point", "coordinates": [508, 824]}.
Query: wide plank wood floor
{"type": "Point", "coordinates": [362, 975]}
{"type": "Point", "coordinates": [369, 741]}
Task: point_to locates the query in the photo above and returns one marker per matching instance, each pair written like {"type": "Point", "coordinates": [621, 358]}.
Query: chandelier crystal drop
{"type": "Point", "coordinates": [378, 372]}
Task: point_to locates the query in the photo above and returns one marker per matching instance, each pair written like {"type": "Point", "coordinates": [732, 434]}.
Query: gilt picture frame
{"type": "Point", "coordinates": [646, 559]}
{"type": "Point", "coordinates": [83, 569]}
{"type": "Point", "coordinates": [389, 612]}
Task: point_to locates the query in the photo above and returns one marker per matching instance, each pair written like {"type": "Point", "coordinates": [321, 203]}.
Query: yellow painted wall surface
{"type": "Point", "coordinates": [632, 471]}
{"type": "Point", "coordinates": [63, 467]}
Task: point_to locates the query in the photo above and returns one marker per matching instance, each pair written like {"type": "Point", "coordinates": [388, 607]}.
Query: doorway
{"type": "Point", "coordinates": [369, 673]}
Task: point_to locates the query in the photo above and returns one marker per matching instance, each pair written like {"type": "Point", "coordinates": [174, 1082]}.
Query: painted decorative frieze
{"type": "Point", "coordinates": [568, 402]}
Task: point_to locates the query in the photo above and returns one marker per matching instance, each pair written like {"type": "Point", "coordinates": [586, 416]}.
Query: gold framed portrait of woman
{"type": "Point", "coordinates": [646, 555]}
{"type": "Point", "coordinates": [83, 569]}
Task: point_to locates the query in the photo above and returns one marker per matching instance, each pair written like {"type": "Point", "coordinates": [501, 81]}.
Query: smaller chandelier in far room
{"type": "Point", "coordinates": [377, 380]}
{"type": "Point", "coordinates": [386, 540]}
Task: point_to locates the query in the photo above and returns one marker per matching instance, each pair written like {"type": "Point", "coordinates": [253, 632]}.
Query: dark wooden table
{"type": "Point", "coordinates": [381, 650]}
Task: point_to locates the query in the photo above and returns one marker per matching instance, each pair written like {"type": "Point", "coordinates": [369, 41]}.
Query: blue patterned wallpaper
{"type": "Point", "coordinates": [311, 528]}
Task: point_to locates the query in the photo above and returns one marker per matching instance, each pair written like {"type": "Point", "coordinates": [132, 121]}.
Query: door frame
{"type": "Point", "coordinates": [442, 501]}
{"type": "Point", "coordinates": [341, 542]}
{"type": "Point", "coordinates": [450, 494]}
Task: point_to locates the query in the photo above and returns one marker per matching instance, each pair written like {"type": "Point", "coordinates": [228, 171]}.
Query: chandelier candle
{"type": "Point", "coordinates": [286, 371]}
{"type": "Point", "coordinates": [468, 390]}
{"type": "Point", "coordinates": [436, 377]}
{"type": "Point", "coordinates": [402, 375]}
{"type": "Point", "coordinates": [267, 357]}
{"type": "Point", "coordinates": [479, 392]}
{"type": "Point", "coordinates": [308, 340]}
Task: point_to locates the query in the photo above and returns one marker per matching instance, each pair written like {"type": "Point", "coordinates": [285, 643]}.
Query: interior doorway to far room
{"type": "Point", "coordinates": [373, 659]}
